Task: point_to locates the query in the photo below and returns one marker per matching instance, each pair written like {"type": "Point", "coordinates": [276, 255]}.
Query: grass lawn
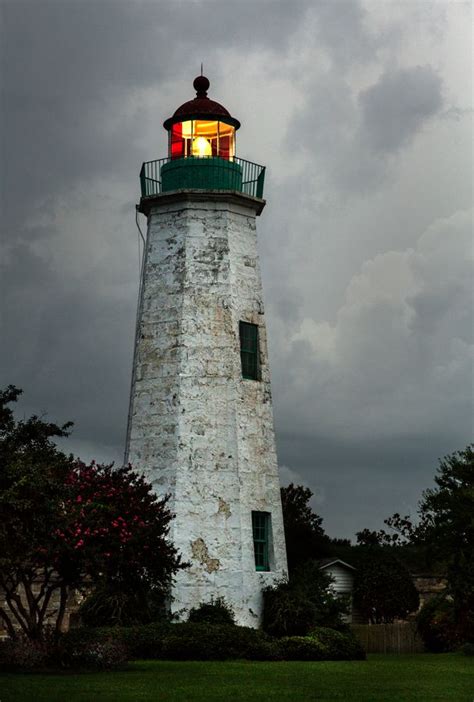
{"type": "Point", "coordinates": [421, 678]}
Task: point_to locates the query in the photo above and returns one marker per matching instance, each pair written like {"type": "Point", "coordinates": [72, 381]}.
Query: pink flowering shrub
{"type": "Point", "coordinates": [114, 527]}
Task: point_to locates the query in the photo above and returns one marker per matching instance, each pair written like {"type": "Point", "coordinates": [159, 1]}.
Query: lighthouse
{"type": "Point", "coordinates": [200, 422]}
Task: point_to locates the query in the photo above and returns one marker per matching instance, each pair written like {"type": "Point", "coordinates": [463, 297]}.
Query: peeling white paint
{"type": "Point", "coordinates": [197, 429]}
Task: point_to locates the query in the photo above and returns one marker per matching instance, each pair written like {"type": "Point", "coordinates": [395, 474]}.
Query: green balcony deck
{"type": "Point", "coordinates": [202, 173]}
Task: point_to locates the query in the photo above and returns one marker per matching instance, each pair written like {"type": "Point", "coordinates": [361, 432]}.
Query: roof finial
{"type": "Point", "coordinates": [201, 85]}
{"type": "Point", "coordinates": [201, 68]}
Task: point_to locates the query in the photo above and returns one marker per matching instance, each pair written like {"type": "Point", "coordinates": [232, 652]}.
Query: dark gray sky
{"type": "Point", "coordinates": [362, 113]}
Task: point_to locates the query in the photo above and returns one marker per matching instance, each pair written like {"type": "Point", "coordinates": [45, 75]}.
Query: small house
{"type": "Point", "coordinates": [342, 575]}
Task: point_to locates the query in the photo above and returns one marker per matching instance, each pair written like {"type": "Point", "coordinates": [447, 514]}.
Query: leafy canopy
{"type": "Point", "coordinates": [64, 523]}
{"type": "Point", "coordinates": [444, 531]}
{"type": "Point", "coordinates": [383, 588]}
{"type": "Point", "coordinates": [304, 534]}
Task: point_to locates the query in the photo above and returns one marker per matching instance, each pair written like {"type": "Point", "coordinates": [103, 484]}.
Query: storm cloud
{"type": "Point", "coordinates": [395, 108]}
{"type": "Point", "coordinates": [360, 112]}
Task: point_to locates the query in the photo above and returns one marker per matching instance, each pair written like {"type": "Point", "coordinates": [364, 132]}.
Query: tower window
{"type": "Point", "coordinates": [249, 350]}
{"type": "Point", "coordinates": [261, 539]}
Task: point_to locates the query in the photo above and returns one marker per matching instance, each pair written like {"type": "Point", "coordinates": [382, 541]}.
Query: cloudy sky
{"type": "Point", "coordinates": [361, 111]}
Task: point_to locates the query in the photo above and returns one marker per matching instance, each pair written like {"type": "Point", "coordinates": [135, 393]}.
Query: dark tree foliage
{"type": "Point", "coordinates": [304, 534]}
{"type": "Point", "coordinates": [33, 473]}
{"type": "Point", "coordinates": [383, 588]}
{"type": "Point", "coordinates": [294, 607]}
{"type": "Point", "coordinates": [436, 625]}
{"type": "Point", "coordinates": [443, 533]}
{"type": "Point", "coordinates": [63, 523]}
{"type": "Point", "coordinates": [447, 525]}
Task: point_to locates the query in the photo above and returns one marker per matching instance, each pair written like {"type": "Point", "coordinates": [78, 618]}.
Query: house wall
{"type": "Point", "coordinates": [343, 582]}
{"type": "Point", "coordinates": [343, 578]}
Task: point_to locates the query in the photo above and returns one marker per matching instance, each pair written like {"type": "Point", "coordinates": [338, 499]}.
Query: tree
{"type": "Point", "coordinates": [31, 471]}
{"type": "Point", "coordinates": [304, 534]}
{"type": "Point", "coordinates": [447, 525]}
{"type": "Point", "coordinates": [383, 588]}
{"type": "Point", "coordinates": [444, 532]}
{"type": "Point", "coordinates": [63, 522]}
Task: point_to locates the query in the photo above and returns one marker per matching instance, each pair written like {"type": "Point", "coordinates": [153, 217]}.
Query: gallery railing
{"type": "Point", "coordinates": [202, 173]}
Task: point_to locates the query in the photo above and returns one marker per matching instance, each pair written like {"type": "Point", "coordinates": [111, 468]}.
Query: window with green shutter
{"type": "Point", "coordinates": [249, 350]}
{"type": "Point", "coordinates": [261, 537]}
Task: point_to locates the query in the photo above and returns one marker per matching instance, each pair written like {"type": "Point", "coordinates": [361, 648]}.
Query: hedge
{"type": "Point", "coordinates": [197, 641]}
{"type": "Point", "coordinates": [340, 646]}
{"type": "Point", "coordinates": [83, 651]}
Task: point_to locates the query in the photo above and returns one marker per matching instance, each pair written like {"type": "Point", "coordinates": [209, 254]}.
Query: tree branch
{"type": "Point", "coordinates": [8, 623]}
{"type": "Point", "coordinates": [21, 615]}
{"type": "Point", "coordinates": [30, 598]}
{"type": "Point", "coordinates": [44, 607]}
{"type": "Point", "coordinates": [44, 583]}
{"type": "Point", "coordinates": [62, 608]}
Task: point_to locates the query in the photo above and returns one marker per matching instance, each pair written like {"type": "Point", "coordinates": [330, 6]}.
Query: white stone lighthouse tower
{"type": "Point", "coordinates": [201, 420]}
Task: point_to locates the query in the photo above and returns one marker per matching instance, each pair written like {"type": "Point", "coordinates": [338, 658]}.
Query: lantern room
{"type": "Point", "coordinates": [201, 152]}
{"type": "Point", "coordinates": [201, 127]}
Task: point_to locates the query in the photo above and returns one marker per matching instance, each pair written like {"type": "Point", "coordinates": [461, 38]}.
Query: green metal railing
{"type": "Point", "coordinates": [202, 173]}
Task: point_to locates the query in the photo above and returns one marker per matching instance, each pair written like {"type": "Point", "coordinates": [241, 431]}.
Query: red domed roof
{"type": "Point", "coordinates": [201, 108]}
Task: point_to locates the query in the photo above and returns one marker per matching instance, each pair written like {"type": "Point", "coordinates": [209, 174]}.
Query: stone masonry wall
{"type": "Point", "coordinates": [197, 429]}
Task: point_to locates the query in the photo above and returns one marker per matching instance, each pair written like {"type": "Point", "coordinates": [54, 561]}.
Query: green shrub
{"type": "Point", "coordinates": [468, 649]}
{"type": "Point", "coordinates": [199, 642]}
{"type": "Point", "coordinates": [302, 648]}
{"type": "Point", "coordinates": [145, 641]}
{"type": "Point", "coordinates": [24, 654]}
{"type": "Point", "coordinates": [316, 585]}
{"type": "Point", "coordinates": [184, 641]}
{"type": "Point", "coordinates": [321, 644]}
{"type": "Point", "coordinates": [262, 648]}
{"type": "Point", "coordinates": [437, 627]}
{"type": "Point", "coordinates": [254, 644]}
{"type": "Point", "coordinates": [216, 611]}
{"type": "Point", "coordinates": [83, 635]}
{"type": "Point", "coordinates": [341, 646]}
{"type": "Point", "coordinates": [293, 608]}
{"type": "Point", "coordinates": [98, 655]}
{"type": "Point", "coordinates": [141, 641]}
{"type": "Point", "coordinates": [114, 605]}
{"type": "Point", "coordinates": [286, 612]}
{"type": "Point", "coordinates": [86, 648]}
{"type": "Point", "coordinates": [190, 641]}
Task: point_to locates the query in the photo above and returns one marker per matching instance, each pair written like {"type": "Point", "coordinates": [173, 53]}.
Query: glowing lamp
{"type": "Point", "coordinates": [201, 147]}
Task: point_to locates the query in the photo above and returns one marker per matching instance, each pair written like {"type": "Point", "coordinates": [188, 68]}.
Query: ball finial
{"type": "Point", "coordinates": [201, 86]}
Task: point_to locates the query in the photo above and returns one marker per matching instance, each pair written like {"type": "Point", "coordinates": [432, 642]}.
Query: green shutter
{"type": "Point", "coordinates": [249, 350]}
{"type": "Point", "coordinates": [261, 534]}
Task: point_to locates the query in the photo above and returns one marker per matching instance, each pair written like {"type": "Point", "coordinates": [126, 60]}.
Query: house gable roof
{"type": "Point", "coordinates": [326, 562]}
